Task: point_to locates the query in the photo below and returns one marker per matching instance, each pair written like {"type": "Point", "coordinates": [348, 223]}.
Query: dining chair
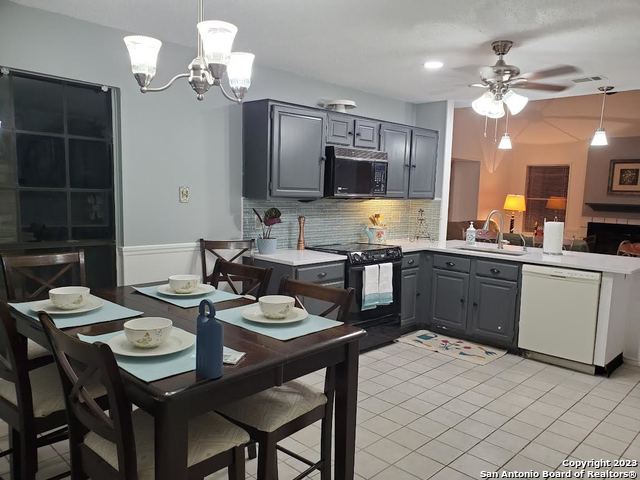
{"type": "Point", "coordinates": [234, 249]}
{"type": "Point", "coordinates": [629, 249]}
{"type": "Point", "coordinates": [30, 277]}
{"type": "Point", "coordinates": [120, 444]}
{"type": "Point", "coordinates": [254, 280]}
{"type": "Point", "coordinates": [31, 401]}
{"type": "Point", "coordinates": [277, 413]}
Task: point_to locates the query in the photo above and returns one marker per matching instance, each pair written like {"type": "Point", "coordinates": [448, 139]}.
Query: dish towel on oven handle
{"type": "Point", "coordinates": [370, 279]}
{"type": "Point", "coordinates": [385, 284]}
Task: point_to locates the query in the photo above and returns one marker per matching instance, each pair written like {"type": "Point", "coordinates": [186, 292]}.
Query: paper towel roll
{"type": "Point", "coordinates": [553, 237]}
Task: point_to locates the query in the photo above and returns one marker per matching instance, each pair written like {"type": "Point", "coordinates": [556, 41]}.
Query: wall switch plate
{"type": "Point", "coordinates": [183, 194]}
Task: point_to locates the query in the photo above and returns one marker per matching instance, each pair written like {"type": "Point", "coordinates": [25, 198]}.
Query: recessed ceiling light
{"type": "Point", "coordinates": [433, 64]}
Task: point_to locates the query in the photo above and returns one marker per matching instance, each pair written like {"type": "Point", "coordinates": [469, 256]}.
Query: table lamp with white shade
{"type": "Point", "coordinates": [514, 203]}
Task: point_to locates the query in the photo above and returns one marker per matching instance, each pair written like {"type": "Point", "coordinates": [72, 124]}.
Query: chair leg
{"type": "Point", "coordinates": [16, 454]}
{"type": "Point", "coordinates": [252, 450]}
{"type": "Point", "coordinates": [267, 460]}
{"type": "Point", "coordinates": [236, 469]}
{"type": "Point", "coordinates": [325, 448]}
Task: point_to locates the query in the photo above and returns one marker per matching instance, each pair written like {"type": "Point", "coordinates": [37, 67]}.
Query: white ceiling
{"type": "Point", "coordinates": [379, 46]}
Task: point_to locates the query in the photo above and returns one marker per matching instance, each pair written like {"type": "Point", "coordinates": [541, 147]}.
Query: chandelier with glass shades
{"type": "Point", "coordinates": [214, 59]}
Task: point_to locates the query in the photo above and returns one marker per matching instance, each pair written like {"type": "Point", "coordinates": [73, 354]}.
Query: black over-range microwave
{"type": "Point", "coordinates": [355, 173]}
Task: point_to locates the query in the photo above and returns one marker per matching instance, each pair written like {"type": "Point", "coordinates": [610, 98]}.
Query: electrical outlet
{"type": "Point", "coordinates": [183, 194]}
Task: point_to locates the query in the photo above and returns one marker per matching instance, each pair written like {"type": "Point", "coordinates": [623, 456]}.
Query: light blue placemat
{"type": "Point", "coordinates": [311, 324]}
{"type": "Point", "coordinates": [216, 296]}
{"type": "Point", "coordinates": [151, 369]}
{"type": "Point", "coordinates": [108, 312]}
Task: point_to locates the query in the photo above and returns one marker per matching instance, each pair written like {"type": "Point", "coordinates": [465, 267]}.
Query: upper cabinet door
{"type": "Point", "coordinates": [396, 141]}
{"type": "Point", "coordinates": [367, 133]}
{"type": "Point", "coordinates": [340, 130]}
{"type": "Point", "coordinates": [297, 161]}
{"type": "Point", "coordinates": [424, 154]}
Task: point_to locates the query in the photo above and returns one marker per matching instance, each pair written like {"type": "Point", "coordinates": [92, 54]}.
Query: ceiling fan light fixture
{"type": "Point", "coordinates": [515, 102]}
{"type": "Point", "coordinates": [505, 142]}
{"type": "Point", "coordinates": [482, 104]}
{"type": "Point", "coordinates": [599, 138]}
{"type": "Point", "coordinates": [496, 109]}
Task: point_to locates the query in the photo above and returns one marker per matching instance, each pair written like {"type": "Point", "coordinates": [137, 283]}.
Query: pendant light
{"type": "Point", "coordinates": [505, 141]}
{"type": "Point", "coordinates": [600, 137]}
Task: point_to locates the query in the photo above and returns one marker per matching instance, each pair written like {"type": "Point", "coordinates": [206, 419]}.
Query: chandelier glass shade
{"type": "Point", "coordinates": [492, 105]}
{"type": "Point", "coordinates": [214, 59]}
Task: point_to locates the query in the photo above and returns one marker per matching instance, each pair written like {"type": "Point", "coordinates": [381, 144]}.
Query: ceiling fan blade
{"type": "Point", "coordinates": [550, 72]}
{"type": "Point", "coordinates": [540, 86]}
{"type": "Point", "coordinates": [479, 85]}
{"type": "Point", "coordinates": [487, 72]}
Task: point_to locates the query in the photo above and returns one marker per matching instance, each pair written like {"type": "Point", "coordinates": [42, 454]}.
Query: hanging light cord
{"type": "Point", "coordinates": [495, 132]}
{"type": "Point", "coordinates": [604, 97]}
{"type": "Point", "coordinates": [486, 119]}
{"type": "Point", "coordinates": [506, 126]}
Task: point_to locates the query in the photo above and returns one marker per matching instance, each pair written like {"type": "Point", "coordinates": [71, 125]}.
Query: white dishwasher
{"type": "Point", "coordinates": [559, 312]}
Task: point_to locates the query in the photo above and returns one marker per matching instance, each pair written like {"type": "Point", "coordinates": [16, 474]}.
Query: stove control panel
{"type": "Point", "coordinates": [369, 257]}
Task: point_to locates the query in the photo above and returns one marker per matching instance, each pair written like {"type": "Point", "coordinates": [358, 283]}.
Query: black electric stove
{"type": "Point", "coordinates": [363, 253]}
{"type": "Point", "coordinates": [383, 322]}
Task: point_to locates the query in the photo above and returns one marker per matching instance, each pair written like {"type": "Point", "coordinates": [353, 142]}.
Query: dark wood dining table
{"type": "Point", "coordinates": [268, 362]}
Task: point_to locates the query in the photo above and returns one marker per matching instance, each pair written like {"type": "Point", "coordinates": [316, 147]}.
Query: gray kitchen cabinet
{"type": "Point", "coordinates": [298, 153]}
{"type": "Point", "coordinates": [340, 129]}
{"type": "Point", "coordinates": [493, 310]}
{"type": "Point", "coordinates": [366, 133]}
{"type": "Point", "coordinates": [396, 141]}
{"type": "Point", "coordinates": [450, 292]}
{"type": "Point", "coordinates": [409, 298]}
{"type": "Point", "coordinates": [424, 156]}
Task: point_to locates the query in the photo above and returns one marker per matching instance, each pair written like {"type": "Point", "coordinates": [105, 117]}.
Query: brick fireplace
{"type": "Point", "coordinates": [607, 236]}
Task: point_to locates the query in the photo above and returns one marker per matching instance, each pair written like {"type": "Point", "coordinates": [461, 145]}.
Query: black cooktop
{"type": "Point", "coordinates": [344, 248]}
{"type": "Point", "coordinates": [363, 253]}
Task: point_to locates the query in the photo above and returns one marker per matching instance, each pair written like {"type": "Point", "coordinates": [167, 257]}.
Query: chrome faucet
{"type": "Point", "coordinates": [500, 226]}
{"type": "Point", "coordinates": [524, 242]}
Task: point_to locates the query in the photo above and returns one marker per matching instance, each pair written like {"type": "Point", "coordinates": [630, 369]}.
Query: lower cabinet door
{"type": "Point", "coordinates": [493, 311]}
{"type": "Point", "coordinates": [409, 294]}
{"type": "Point", "coordinates": [450, 291]}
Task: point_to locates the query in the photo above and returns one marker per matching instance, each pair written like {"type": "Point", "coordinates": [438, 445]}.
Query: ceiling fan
{"type": "Point", "coordinates": [500, 80]}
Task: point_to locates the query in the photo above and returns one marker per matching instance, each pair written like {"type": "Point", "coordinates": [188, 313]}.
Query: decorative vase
{"type": "Point", "coordinates": [267, 246]}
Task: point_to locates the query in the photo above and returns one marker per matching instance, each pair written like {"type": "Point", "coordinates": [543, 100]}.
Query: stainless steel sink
{"type": "Point", "coordinates": [489, 248]}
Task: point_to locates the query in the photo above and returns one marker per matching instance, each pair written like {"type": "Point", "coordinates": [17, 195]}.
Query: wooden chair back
{"type": "Point", "coordinates": [237, 248]}
{"type": "Point", "coordinates": [338, 298]}
{"type": "Point", "coordinates": [629, 249]}
{"type": "Point", "coordinates": [30, 277]}
{"type": "Point", "coordinates": [254, 280]}
{"type": "Point", "coordinates": [81, 364]}
{"type": "Point", "coordinates": [14, 369]}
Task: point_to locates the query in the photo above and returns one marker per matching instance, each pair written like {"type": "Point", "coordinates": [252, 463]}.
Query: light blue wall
{"type": "Point", "coordinates": [168, 139]}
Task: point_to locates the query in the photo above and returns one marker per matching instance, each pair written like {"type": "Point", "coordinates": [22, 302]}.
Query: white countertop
{"type": "Point", "coordinates": [293, 257]}
{"type": "Point", "coordinates": [579, 260]}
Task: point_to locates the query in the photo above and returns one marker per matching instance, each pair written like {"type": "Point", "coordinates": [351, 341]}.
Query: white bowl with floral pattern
{"type": "Point", "coordinates": [147, 332]}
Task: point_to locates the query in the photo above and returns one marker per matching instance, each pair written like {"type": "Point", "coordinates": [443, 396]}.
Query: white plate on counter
{"type": "Point", "coordinates": [177, 341]}
{"type": "Point", "coordinates": [254, 314]}
{"type": "Point", "coordinates": [92, 303]}
{"type": "Point", "coordinates": [202, 289]}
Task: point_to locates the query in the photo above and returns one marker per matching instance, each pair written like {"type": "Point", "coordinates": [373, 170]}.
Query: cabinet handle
{"type": "Point", "coordinates": [414, 166]}
{"type": "Point", "coordinates": [451, 264]}
{"type": "Point", "coordinates": [323, 159]}
{"type": "Point", "coordinates": [495, 271]}
{"type": "Point", "coordinates": [462, 300]}
{"type": "Point", "coordinates": [358, 134]}
{"type": "Point", "coordinates": [322, 274]}
{"type": "Point", "coordinates": [349, 133]}
{"type": "Point", "coordinates": [411, 262]}
{"type": "Point", "coordinates": [475, 304]}
{"type": "Point", "coordinates": [499, 327]}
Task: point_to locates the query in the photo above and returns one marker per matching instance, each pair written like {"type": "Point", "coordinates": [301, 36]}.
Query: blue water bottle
{"type": "Point", "coordinates": [209, 343]}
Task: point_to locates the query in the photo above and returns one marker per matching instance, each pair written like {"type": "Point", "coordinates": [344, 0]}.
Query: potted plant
{"type": "Point", "coordinates": [267, 244]}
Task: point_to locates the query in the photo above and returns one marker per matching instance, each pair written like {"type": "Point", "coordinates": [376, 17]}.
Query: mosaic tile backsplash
{"type": "Point", "coordinates": [334, 221]}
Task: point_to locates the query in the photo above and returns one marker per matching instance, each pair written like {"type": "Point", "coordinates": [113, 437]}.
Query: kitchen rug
{"type": "Point", "coordinates": [453, 347]}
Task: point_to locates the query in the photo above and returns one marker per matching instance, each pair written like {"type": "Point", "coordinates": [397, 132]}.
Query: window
{"type": "Point", "coordinates": [56, 161]}
{"type": "Point", "coordinates": [546, 194]}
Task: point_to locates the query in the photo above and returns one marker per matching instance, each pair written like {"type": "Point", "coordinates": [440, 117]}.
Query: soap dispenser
{"type": "Point", "coordinates": [471, 234]}
{"type": "Point", "coordinates": [209, 342]}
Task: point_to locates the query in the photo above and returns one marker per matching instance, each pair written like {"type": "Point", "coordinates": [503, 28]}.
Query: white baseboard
{"type": "Point", "coordinates": [631, 361]}
{"type": "Point", "coordinates": [154, 263]}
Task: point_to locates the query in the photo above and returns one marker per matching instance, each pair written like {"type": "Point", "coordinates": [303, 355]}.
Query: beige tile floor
{"type": "Point", "coordinates": [424, 415]}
